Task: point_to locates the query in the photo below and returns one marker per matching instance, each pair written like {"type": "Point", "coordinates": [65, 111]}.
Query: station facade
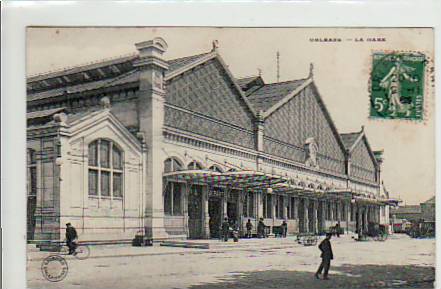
{"type": "Point", "coordinates": [172, 147]}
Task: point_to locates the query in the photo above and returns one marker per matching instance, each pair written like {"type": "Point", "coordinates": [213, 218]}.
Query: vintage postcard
{"type": "Point", "coordinates": [179, 157]}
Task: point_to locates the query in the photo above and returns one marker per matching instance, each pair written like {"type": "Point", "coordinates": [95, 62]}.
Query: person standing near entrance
{"type": "Point", "coordinates": [249, 227]}
{"type": "Point", "coordinates": [225, 229]}
{"type": "Point", "coordinates": [327, 256]}
{"type": "Point", "coordinates": [261, 228]}
{"type": "Point", "coordinates": [284, 227]}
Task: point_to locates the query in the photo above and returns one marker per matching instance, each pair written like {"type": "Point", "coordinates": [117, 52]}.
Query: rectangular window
{"type": "Point", "coordinates": [104, 154]}
{"type": "Point", "coordinates": [279, 207]}
{"type": "Point", "coordinates": [116, 158]}
{"type": "Point", "coordinates": [245, 205]}
{"type": "Point", "coordinates": [117, 185]}
{"type": "Point", "coordinates": [93, 154]}
{"type": "Point", "coordinates": [269, 206]}
{"type": "Point", "coordinates": [251, 205]}
{"type": "Point", "coordinates": [177, 210]}
{"type": "Point", "coordinates": [93, 183]}
{"type": "Point", "coordinates": [105, 184]}
{"type": "Point", "coordinates": [168, 199]}
{"type": "Point", "coordinates": [33, 181]}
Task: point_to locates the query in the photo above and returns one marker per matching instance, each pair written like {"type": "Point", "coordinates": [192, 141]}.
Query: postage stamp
{"type": "Point", "coordinates": [397, 85]}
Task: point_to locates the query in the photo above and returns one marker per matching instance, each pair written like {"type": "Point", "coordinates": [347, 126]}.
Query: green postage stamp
{"type": "Point", "coordinates": [397, 85]}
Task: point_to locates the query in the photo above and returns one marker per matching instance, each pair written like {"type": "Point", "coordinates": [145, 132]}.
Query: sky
{"type": "Point", "coordinates": [341, 73]}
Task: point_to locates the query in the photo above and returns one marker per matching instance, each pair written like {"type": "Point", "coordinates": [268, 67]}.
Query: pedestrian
{"type": "Point", "coordinates": [337, 229]}
{"type": "Point", "coordinates": [284, 228]}
{"type": "Point", "coordinates": [249, 228]}
{"type": "Point", "coordinates": [71, 238]}
{"type": "Point", "coordinates": [327, 256]}
{"type": "Point", "coordinates": [236, 232]}
{"type": "Point", "coordinates": [261, 229]}
{"type": "Point", "coordinates": [225, 229]}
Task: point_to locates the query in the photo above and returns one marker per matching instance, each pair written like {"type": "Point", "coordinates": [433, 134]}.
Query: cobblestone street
{"type": "Point", "coordinates": [400, 262]}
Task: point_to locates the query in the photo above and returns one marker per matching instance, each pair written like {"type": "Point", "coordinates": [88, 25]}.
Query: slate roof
{"type": "Point", "coordinates": [409, 209]}
{"type": "Point", "coordinates": [242, 82]}
{"type": "Point", "coordinates": [177, 63]}
{"type": "Point", "coordinates": [43, 113]}
{"type": "Point", "coordinates": [124, 78]}
{"type": "Point", "coordinates": [269, 94]}
{"type": "Point", "coordinates": [349, 138]}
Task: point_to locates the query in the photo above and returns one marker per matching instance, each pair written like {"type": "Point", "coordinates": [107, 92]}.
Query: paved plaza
{"type": "Point", "coordinates": [399, 262]}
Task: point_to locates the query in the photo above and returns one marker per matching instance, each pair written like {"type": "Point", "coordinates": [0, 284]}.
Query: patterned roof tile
{"type": "Point", "coordinates": [269, 94]}
{"type": "Point", "coordinates": [349, 138]}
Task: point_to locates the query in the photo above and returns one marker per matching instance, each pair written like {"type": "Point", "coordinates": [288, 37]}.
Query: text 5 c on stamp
{"type": "Point", "coordinates": [397, 85]}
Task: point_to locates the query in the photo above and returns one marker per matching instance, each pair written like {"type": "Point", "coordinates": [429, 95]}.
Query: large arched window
{"type": "Point", "coordinates": [215, 168]}
{"type": "Point", "coordinates": [173, 190]}
{"type": "Point", "coordinates": [172, 165]}
{"type": "Point", "coordinates": [105, 169]}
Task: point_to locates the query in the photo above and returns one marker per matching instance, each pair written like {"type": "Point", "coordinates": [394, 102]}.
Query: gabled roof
{"type": "Point", "coordinates": [349, 139]}
{"type": "Point", "coordinates": [43, 113]}
{"type": "Point", "coordinates": [178, 63]}
{"type": "Point", "coordinates": [409, 209]}
{"type": "Point", "coordinates": [268, 95]}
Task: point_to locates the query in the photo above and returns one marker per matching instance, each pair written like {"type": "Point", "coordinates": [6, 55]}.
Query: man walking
{"type": "Point", "coordinates": [71, 237]}
{"type": "Point", "coordinates": [327, 256]}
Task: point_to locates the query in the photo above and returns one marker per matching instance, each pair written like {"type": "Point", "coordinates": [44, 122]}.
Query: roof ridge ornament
{"type": "Point", "coordinates": [311, 70]}
{"type": "Point", "coordinates": [215, 45]}
{"type": "Point", "coordinates": [105, 102]}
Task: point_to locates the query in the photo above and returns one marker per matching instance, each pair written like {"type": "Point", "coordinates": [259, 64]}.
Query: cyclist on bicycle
{"type": "Point", "coordinates": [71, 237]}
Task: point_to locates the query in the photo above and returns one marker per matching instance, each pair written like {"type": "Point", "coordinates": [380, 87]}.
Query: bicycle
{"type": "Point", "coordinates": [82, 252]}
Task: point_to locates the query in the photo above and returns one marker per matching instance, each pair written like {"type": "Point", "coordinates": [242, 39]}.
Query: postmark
{"type": "Point", "coordinates": [54, 268]}
{"type": "Point", "coordinates": [397, 85]}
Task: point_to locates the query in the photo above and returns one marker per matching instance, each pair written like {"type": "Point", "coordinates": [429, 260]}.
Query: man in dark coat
{"type": "Point", "coordinates": [71, 237]}
{"type": "Point", "coordinates": [249, 227]}
{"type": "Point", "coordinates": [225, 229]}
{"type": "Point", "coordinates": [327, 256]}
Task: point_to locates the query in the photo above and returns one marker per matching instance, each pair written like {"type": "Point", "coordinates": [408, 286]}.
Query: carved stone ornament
{"type": "Point", "coordinates": [311, 150]}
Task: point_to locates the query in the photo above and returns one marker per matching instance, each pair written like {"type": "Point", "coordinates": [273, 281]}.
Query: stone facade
{"type": "Point", "coordinates": [171, 147]}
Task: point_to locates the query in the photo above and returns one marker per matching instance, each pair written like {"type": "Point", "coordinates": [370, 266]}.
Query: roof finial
{"type": "Point", "coordinates": [215, 44]}
{"type": "Point", "coordinates": [278, 65]}
{"type": "Point", "coordinates": [259, 71]}
{"type": "Point", "coordinates": [311, 70]}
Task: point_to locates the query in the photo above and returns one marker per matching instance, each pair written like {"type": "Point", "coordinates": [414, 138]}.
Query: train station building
{"type": "Point", "coordinates": [172, 147]}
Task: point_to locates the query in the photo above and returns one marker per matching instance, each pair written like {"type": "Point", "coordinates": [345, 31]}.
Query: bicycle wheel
{"type": "Point", "coordinates": [82, 252]}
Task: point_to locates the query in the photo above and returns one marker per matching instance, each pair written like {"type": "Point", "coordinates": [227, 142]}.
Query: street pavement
{"type": "Point", "coordinates": [399, 262]}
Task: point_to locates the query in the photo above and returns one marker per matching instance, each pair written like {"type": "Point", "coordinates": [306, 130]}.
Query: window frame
{"type": "Point", "coordinates": [101, 170]}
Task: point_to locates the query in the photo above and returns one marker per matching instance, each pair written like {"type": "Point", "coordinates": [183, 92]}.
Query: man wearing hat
{"type": "Point", "coordinates": [71, 237]}
{"type": "Point", "coordinates": [327, 256]}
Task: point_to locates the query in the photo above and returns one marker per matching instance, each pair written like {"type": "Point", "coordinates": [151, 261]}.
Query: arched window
{"type": "Point", "coordinates": [232, 170]}
{"type": "Point", "coordinates": [194, 166]}
{"type": "Point", "coordinates": [105, 169]}
{"type": "Point", "coordinates": [173, 190]}
{"type": "Point", "coordinates": [215, 168]}
{"type": "Point", "coordinates": [172, 165]}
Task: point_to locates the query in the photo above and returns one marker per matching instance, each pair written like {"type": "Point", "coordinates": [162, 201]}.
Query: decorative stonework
{"type": "Point", "coordinates": [311, 150]}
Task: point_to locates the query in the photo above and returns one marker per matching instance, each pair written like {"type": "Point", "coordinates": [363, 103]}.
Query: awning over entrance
{"type": "Point", "coordinates": [250, 180]}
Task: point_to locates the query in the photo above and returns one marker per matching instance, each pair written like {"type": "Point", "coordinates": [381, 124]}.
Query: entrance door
{"type": "Point", "coordinates": [195, 213]}
{"type": "Point", "coordinates": [301, 214]}
{"type": "Point", "coordinates": [232, 212]}
{"type": "Point", "coordinates": [311, 219]}
{"type": "Point", "coordinates": [320, 212]}
{"type": "Point", "coordinates": [31, 205]}
{"type": "Point", "coordinates": [215, 213]}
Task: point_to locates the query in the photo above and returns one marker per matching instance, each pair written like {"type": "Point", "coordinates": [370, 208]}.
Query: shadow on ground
{"type": "Point", "coordinates": [347, 276]}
